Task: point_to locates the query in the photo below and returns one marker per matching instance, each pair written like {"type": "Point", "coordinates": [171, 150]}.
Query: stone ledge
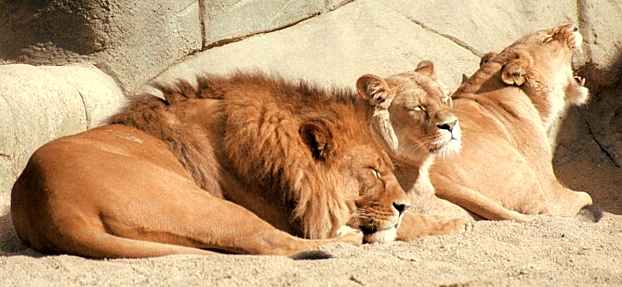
{"type": "Point", "coordinates": [131, 40]}
{"type": "Point", "coordinates": [39, 104]}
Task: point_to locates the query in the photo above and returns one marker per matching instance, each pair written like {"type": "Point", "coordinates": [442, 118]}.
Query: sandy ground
{"type": "Point", "coordinates": [549, 251]}
{"type": "Point", "coordinates": [545, 252]}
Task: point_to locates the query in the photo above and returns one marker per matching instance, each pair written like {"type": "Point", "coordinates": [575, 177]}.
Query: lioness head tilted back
{"type": "Point", "coordinates": [413, 113]}
{"type": "Point", "coordinates": [314, 150]}
{"type": "Point", "coordinates": [541, 64]}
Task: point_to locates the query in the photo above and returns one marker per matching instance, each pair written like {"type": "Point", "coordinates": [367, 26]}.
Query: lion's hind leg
{"type": "Point", "coordinates": [97, 243]}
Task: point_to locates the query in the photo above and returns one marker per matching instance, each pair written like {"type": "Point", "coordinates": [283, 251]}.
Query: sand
{"type": "Point", "coordinates": [547, 251]}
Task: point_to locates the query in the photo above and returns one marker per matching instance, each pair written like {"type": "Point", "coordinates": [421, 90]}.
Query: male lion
{"type": "Point", "coordinates": [237, 165]}
{"type": "Point", "coordinates": [504, 170]}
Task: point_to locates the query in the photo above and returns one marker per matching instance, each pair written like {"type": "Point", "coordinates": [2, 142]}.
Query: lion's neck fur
{"type": "Point", "coordinates": [260, 141]}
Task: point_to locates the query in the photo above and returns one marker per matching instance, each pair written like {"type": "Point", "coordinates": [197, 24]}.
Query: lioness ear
{"type": "Point", "coordinates": [486, 58]}
{"type": "Point", "coordinates": [513, 73]}
{"type": "Point", "coordinates": [318, 138]}
{"type": "Point", "coordinates": [426, 67]}
{"type": "Point", "coordinates": [375, 90]}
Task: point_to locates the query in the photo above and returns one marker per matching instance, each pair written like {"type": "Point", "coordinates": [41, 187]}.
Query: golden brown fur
{"type": "Point", "coordinates": [215, 168]}
{"type": "Point", "coordinates": [413, 117]}
{"type": "Point", "coordinates": [504, 170]}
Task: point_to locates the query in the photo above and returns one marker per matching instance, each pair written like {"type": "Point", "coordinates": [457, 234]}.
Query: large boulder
{"type": "Point", "coordinates": [130, 40]}
{"type": "Point", "coordinates": [336, 47]}
{"type": "Point", "coordinates": [229, 20]}
{"type": "Point", "coordinates": [39, 104]}
{"type": "Point", "coordinates": [601, 23]}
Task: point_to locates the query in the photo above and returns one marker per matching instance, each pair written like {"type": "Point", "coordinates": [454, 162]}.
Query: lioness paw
{"type": "Point", "coordinates": [577, 93]}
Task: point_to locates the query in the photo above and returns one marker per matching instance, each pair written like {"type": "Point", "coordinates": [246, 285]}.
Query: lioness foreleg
{"type": "Point", "coordinates": [414, 226]}
{"type": "Point", "coordinates": [476, 202]}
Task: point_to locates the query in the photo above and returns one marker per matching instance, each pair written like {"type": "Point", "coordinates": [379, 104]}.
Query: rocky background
{"type": "Point", "coordinates": [68, 65]}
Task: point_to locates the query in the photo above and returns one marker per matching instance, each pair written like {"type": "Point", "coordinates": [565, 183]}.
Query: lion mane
{"type": "Point", "coordinates": [263, 140]}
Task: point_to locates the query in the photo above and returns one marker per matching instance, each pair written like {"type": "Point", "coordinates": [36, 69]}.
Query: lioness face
{"type": "Point", "coordinates": [543, 62]}
{"type": "Point", "coordinates": [419, 110]}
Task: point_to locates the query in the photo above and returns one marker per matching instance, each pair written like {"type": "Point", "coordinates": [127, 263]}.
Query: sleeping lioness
{"type": "Point", "coordinates": [504, 170]}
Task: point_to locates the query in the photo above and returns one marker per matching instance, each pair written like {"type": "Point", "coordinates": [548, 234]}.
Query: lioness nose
{"type": "Point", "coordinates": [448, 125]}
{"type": "Point", "coordinates": [400, 207]}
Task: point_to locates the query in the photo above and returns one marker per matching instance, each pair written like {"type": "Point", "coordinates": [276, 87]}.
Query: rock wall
{"type": "Point", "coordinates": [38, 104]}
{"type": "Point", "coordinates": [130, 40]}
{"type": "Point", "coordinates": [329, 41]}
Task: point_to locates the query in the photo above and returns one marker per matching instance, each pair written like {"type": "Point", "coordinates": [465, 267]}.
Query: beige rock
{"type": "Point", "coordinates": [6, 179]}
{"type": "Point", "coordinates": [601, 25]}
{"type": "Point", "coordinates": [100, 94]}
{"type": "Point", "coordinates": [227, 20]}
{"type": "Point", "coordinates": [41, 108]}
{"type": "Point", "coordinates": [39, 104]}
{"type": "Point", "coordinates": [482, 26]}
{"type": "Point", "coordinates": [336, 48]}
{"type": "Point", "coordinates": [131, 40]}
{"type": "Point", "coordinates": [7, 141]}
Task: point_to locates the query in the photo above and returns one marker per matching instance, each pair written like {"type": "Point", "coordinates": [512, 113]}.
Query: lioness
{"type": "Point", "coordinates": [415, 120]}
{"type": "Point", "coordinates": [504, 170]}
{"type": "Point", "coordinates": [427, 129]}
{"type": "Point", "coordinates": [238, 164]}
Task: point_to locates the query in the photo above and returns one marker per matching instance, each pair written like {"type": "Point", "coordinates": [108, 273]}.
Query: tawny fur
{"type": "Point", "coordinates": [213, 167]}
{"type": "Point", "coordinates": [506, 108]}
{"type": "Point", "coordinates": [262, 141]}
{"type": "Point", "coordinates": [413, 117]}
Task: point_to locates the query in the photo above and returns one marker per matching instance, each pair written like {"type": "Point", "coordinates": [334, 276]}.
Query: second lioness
{"type": "Point", "coordinates": [504, 170]}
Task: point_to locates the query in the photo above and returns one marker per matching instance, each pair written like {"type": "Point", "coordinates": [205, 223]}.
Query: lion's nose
{"type": "Point", "coordinates": [400, 207]}
{"type": "Point", "coordinates": [448, 125]}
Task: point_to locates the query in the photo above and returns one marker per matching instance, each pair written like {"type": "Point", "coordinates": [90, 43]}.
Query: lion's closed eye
{"type": "Point", "coordinates": [418, 109]}
{"type": "Point", "coordinates": [375, 173]}
{"type": "Point", "coordinates": [370, 178]}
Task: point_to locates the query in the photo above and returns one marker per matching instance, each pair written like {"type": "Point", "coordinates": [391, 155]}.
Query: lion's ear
{"type": "Point", "coordinates": [375, 90]}
{"type": "Point", "coordinates": [465, 78]}
{"type": "Point", "coordinates": [318, 138]}
{"type": "Point", "coordinates": [514, 72]}
{"type": "Point", "coordinates": [426, 67]}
